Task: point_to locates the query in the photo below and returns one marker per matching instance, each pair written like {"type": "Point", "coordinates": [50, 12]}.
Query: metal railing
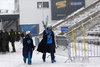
{"type": "Point", "coordinates": [75, 16]}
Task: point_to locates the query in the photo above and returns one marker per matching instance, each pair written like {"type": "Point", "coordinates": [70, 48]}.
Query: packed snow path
{"type": "Point", "coordinates": [16, 60]}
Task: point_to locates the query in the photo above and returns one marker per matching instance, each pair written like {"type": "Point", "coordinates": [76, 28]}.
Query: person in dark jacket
{"type": "Point", "coordinates": [22, 36]}
{"type": "Point", "coordinates": [17, 35]}
{"type": "Point", "coordinates": [28, 47]}
{"type": "Point", "coordinates": [12, 39]}
{"type": "Point", "coordinates": [1, 40]}
{"type": "Point", "coordinates": [47, 44]}
{"type": "Point", "coordinates": [5, 40]}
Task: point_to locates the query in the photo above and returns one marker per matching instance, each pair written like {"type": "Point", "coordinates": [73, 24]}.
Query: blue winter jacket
{"type": "Point", "coordinates": [49, 37]}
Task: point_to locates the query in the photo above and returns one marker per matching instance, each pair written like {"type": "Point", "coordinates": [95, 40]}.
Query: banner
{"type": "Point", "coordinates": [34, 28]}
{"type": "Point", "coordinates": [63, 8]}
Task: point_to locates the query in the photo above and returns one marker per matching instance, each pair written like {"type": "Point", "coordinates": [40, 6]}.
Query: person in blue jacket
{"type": "Point", "coordinates": [47, 44]}
{"type": "Point", "coordinates": [28, 47]}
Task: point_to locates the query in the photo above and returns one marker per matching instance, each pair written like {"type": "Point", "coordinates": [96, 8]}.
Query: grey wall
{"type": "Point", "coordinates": [12, 26]}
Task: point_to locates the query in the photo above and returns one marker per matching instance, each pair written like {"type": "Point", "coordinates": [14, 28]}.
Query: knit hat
{"type": "Point", "coordinates": [28, 32]}
{"type": "Point", "coordinates": [49, 26]}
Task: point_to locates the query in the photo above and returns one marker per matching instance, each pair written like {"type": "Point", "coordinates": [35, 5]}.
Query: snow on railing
{"type": "Point", "coordinates": [85, 22]}
{"type": "Point", "coordinates": [87, 14]}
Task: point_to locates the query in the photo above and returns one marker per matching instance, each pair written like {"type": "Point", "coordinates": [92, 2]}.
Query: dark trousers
{"type": "Point", "coordinates": [13, 46]}
{"type": "Point", "coordinates": [49, 48]}
{"type": "Point", "coordinates": [7, 47]}
{"type": "Point", "coordinates": [52, 56]}
{"type": "Point", "coordinates": [0, 46]}
{"type": "Point", "coordinates": [4, 44]}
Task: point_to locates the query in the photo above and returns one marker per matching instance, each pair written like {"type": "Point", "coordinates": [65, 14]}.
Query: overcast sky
{"type": "Point", "coordinates": [6, 4]}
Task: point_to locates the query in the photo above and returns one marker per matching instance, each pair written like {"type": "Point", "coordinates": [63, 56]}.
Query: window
{"type": "Point", "coordinates": [45, 4]}
{"type": "Point", "coordinates": [42, 4]}
{"type": "Point", "coordinates": [39, 4]}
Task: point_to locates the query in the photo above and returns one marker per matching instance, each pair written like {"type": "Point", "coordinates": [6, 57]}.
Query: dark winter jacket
{"type": "Point", "coordinates": [22, 35]}
{"type": "Point", "coordinates": [27, 46]}
{"type": "Point", "coordinates": [12, 36]}
{"type": "Point", "coordinates": [42, 47]}
{"type": "Point", "coordinates": [17, 35]}
{"type": "Point", "coordinates": [5, 36]}
{"type": "Point", "coordinates": [1, 36]}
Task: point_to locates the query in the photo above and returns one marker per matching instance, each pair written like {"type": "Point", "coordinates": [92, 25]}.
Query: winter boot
{"type": "Point", "coordinates": [44, 60]}
{"type": "Point", "coordinates": [24, 60]}
{"type": "Point", "coordinates": [29, 62]}
{"type": "Point", "coordinates": [53, 61]}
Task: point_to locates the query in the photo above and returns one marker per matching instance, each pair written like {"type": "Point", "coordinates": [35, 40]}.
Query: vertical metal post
{"type": "Point", "coordinates": [73, 49]}
{"type": "Point", "coordinates": [97, 48]}
{"type": "Point", "coordinates": [79, 49]}
{"type": "Point", "coordinates": [94, 50]}
{"type": "Point", "coordinates": [88, 50]}
{"type": "Point", "coordinates": [69, 51]}
{"type": "Point", "coordinates": [81, 46]}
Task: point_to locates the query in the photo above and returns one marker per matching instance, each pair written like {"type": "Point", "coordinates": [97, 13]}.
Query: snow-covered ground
{"type": "Point", "coordinates": [16, 59]}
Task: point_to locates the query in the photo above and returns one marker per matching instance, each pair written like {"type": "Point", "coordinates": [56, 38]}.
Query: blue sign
{"type": "Point", "coordinates": [64, 29]}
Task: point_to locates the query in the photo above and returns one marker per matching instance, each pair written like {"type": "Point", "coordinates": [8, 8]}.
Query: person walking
{"type": "Point", "coordinates": [5, 40]}
{"type": "Point", "coordinates": [1, 40]}
{"type": "Point", "coordinates": [47, 44]}
{"type": "Point", "coordinates": [12, 39]}
{"type": "Point", "coordinates": [28, 47]}
{"type": "Point", "coordinates": [22, 36]}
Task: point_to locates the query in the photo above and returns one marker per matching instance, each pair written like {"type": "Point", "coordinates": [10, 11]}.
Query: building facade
{"type": "Point", "coordinates": [36, 11]}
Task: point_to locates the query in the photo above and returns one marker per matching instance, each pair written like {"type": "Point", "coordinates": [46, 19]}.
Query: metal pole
{"type": "Point", "coordinates": [73, 49]}
{"type": "Point", "coordinates": [97, 47]}
{"type": "Point", "coordinates": [91, 49]}
{"type": "Point", "coordinates": [69, 51]}
{"type": "Point", "coordinates": [88, 49]}
{"type": "Point", "coordinates": [79, 49]}
{"type": "Point", "coordinates": [94, 50]}
{"type": "Point", "coordinates": [82, 49]}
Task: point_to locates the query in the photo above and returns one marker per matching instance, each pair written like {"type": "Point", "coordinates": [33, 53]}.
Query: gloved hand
{"type": "Point", "coordinates": [33, 48]}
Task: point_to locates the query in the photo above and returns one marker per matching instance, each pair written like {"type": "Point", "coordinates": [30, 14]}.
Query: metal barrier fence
{"type": "Point", "coordinates": [75, 50]}
{"type": "Point", "coordinates": [91, 50]}
{"type": "Point", "coordinates": [83, 50]}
